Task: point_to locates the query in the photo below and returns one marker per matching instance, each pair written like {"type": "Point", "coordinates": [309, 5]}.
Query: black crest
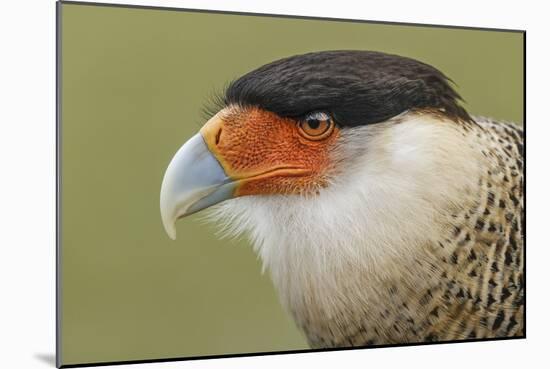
{"type": "Point", "coordinates": [356, 87]}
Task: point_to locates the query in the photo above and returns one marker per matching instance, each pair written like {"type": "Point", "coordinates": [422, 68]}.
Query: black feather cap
{"type": "Point", "coordinates": [355, 87]}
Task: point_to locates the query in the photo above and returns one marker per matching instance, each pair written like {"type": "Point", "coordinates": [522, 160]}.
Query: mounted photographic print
{"type": "Point", "coordinates": [239, 184]}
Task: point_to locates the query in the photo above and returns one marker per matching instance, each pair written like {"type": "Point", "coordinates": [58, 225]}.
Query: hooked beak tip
{"type": "Point", "coordinates": [168, 222]}
{"type": "Point", "coordinates": [170, 229]}
{"type": "Point", "coordinates": [172, 235]}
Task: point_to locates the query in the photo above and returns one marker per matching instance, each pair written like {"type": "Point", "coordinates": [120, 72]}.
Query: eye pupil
{"type": "Point", "coordinates": [314, 123]}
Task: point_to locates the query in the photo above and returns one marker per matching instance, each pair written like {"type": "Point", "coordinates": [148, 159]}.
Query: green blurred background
{"type": "Point", "coordinates": [133, 85]}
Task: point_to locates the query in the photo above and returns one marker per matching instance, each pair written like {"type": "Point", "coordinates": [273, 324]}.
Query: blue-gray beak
{"type": "Point", "coordinates": [194, 180]}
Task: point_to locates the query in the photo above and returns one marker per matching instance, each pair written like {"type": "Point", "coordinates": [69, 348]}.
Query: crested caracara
{"type": "Point", "coordinates": [384, 212]}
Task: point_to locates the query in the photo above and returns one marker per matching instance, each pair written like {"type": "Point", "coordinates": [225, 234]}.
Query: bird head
{"type": "Point", "coordinates": [295, 126]}
{"type": "Point", "coordinates": [336, 164]}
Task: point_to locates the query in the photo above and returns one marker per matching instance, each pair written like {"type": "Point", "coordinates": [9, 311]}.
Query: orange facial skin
{"type": "Point", "coordinates": [268, 154]}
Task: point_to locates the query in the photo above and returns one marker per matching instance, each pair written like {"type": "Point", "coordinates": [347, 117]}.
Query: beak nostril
{"type": "Point", "coordinates": [218, 135]}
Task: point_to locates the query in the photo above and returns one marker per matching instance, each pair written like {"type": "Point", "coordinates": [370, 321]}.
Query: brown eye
{"type": "Point", "coordinates": [316, 126]}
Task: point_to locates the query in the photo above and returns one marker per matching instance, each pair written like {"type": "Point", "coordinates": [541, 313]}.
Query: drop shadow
{"type": "Point", "coordinates": [46, 358]}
